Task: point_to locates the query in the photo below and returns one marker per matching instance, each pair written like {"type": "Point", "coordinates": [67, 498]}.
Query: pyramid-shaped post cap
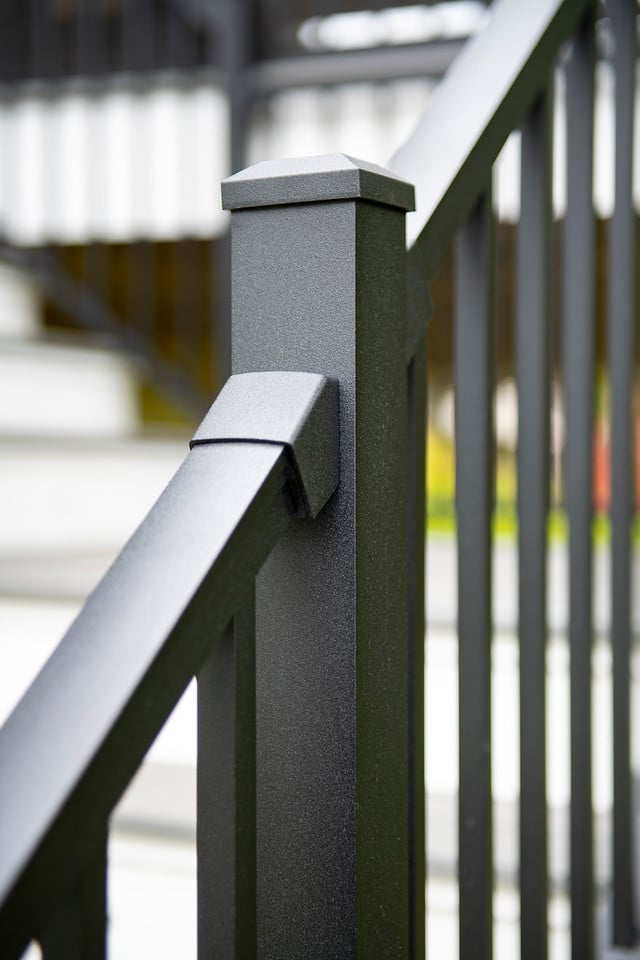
{"type": "Point", "coordinates": [315, 179]}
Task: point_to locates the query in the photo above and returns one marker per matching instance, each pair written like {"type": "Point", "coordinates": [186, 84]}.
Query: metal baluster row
{"type": "Point", "coordinates": [474, 505]}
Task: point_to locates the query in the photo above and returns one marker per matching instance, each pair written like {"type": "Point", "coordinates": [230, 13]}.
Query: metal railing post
{"type": "Point", "coordinates": [319, 284]}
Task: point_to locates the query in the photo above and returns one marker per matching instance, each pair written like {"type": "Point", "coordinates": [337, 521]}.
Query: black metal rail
{"type": "Point", "coordinates": [450, 161]}
{"type": "Point", "coordinates": [75, 740]}
{"type": "Point", "coordinates": [311, 705]}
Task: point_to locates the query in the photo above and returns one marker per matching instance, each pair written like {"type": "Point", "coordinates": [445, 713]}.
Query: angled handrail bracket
{"type": "Point", "coordinates": [297, 410]}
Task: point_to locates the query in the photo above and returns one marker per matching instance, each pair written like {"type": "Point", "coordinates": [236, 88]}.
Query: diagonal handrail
{"type": "Point", "coordinates": [481, 99]}
{"type": "Point", "coordinates": [78, 735]}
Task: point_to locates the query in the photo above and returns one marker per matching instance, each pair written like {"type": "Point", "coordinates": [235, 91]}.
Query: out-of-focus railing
{"type": "Point", "coordinates": [503, 81]}
{"type": "Point", "coordinates": [176, 603]}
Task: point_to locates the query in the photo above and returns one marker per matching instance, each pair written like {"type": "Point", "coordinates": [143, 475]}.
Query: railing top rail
{"type": "Point", "coordinates": [478, 103]}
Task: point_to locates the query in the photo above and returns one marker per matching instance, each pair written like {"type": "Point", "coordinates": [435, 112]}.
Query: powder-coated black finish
{"type": "Point", "coordinates": [533, 318]}
{"type": "Point", "coordinates": [474, 346]}
{"type": "Point", "coordinates": [578, 368]}
{"type": "Point", "coordinates": [621, 361]}
{"type": "Point", "coordinates": [76, 738]}
{"type": "Point", "coordinates": [331, 672]}
{"type": "Point", "coordinates": [297, 410]}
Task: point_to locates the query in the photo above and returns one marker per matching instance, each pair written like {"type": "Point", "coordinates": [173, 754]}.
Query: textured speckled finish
{"type": "Point", "coordinates": [299, 410]}
{"type": "Point", "coordinates": [82, 729]}
{"type": "Point", "coordinates": [313, 179]}
{"type": "Point", "coordinates": [322, 287]}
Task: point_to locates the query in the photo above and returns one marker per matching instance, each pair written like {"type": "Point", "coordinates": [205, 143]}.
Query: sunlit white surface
{"type": "Point", "coordinates": [29, 633]}
{"type": "Point", "coordinates": [359, 119]}
{"type": "Point", "coordinates": [152, 900]}
{"type": "Point", "coordinates": [393, 25]}
{"type": "Point", "coordinates": [114, 166]}
{"type": "Point", "coordinates": [124, 165]}
{"type": "Point", "coordinates": [64, 390]}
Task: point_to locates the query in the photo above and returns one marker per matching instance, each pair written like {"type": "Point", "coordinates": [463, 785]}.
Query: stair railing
{"type": "Point", "coordinates": [176, 602]}
{"type": "Point", "coordinates": [503, 81]}
{"type": "Point", "coordinates": [311, 704]}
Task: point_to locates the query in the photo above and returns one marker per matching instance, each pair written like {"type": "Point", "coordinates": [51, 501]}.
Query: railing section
{"type": "Point", "coordinates": [449, 157]}
{"type": "Point", "coordinates": [311, 778]}
{"type": "Point", "coordinates": [175, 604]}
{"type": "Point", "coordinates": [319, 246]}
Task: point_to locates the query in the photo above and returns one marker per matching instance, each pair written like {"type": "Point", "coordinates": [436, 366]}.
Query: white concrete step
{"type": "Point", "coordinates": [68, 505]}
{"type": "Point", "coordinates": [58, 387]}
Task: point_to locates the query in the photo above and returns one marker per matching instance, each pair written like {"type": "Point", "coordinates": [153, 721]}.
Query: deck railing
{"type": "Point", "coordinates": [311, 821]}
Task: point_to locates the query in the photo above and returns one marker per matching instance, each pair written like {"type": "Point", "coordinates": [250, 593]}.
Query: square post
{"type": "Point", "coordinates": [319, 285]}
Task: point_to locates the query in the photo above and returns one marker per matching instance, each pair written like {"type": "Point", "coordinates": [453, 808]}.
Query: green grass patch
{"type": "Point", "coordinates": [441, 519]}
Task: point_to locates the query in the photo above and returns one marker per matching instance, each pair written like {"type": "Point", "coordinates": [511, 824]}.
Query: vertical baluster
{"type": "Point", "coordinates": [533, 304]}
{"type": "Point", "coordinates": [138, 34]}
{"type": "Point", "coordinates": [181, 46]}
{"type": "Point", "coordinates": [37, 38]}
{"type": "Point", "coordinates": [53, 45]}
{"type": "Point", "coordinates": [78, 930]}
{"type": "Point", "coordinates": [14, 46]}
{"type": "Point", "coordinates": [87, 38]}
{"type": "Point", "coordinates": [110, 18]}
{"type": "Point", "coordinates": [90, 56]}
{"type": "Point", "coordinates": [419, 303]}
{"type": "Point", "coordinates": [578, 368]}
{"type": "Point", "coordinates": [226, 831]}
{"type": "Point", "coordinates": [138, 56]}
{"type": "Point", "coordinates": [6, 39]}
{"type": "Point", "coordinates": [141, 295]}
{"type": "Point", "coordinates": [97, 270]}
{"type": "Point", "coordinates": [621, 352]}
{"type": "Point", "coordinates": [474, 505]}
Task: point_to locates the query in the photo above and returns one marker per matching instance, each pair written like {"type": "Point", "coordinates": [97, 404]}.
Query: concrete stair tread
{"type": "Point", "coordinates": [65, 386]}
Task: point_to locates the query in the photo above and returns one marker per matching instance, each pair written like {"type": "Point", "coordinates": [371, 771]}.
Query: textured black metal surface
{"type": "Point", "coordinates": [416, 477]}
{"type": "Point", "coordinates": [298, 410]}
{"type": "Point", "coordinates": [78, 930]}
{"type": "Point", "coordinates": [331, 673]}
{"type": "Point", "coordinates": [533, 318]}
{"type": "Point", "coordinates": [312, 180]}
{"type": "Point", "coordinates": [474, 346]}
{"type": "Point", "coordinates": [76, 738]}
{"type": "Point", "coordinates": [621, 359]}
{"type": "Point", "coordinates": [578, 368]}
{"type": "Point", "coordinates": [226, 825]}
